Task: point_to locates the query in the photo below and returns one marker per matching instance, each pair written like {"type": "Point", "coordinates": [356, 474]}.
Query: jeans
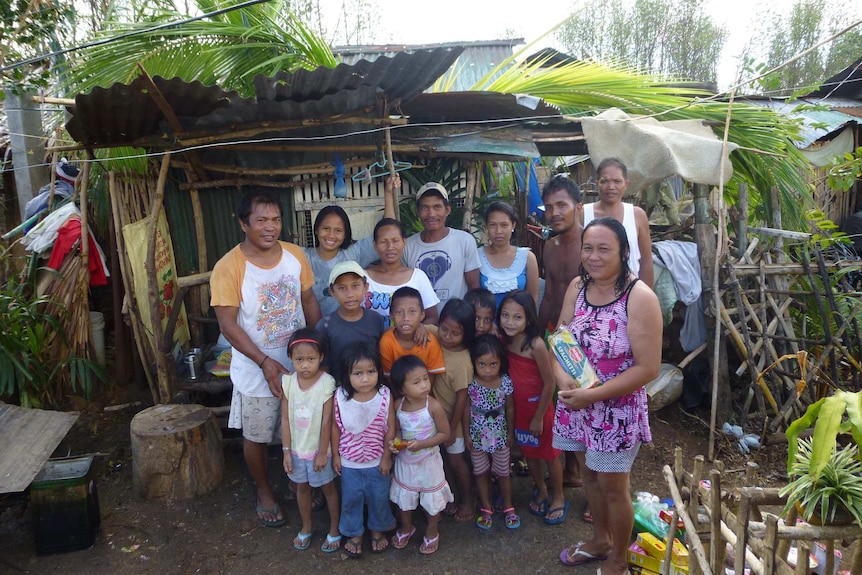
{"type": "Point", "coordinates": [360, 487]}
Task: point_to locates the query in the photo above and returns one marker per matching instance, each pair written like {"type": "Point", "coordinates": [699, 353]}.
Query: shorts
{"type": "Point", "coordinates": [601, 461]}
{"type": "Point", "coordinates": [457, 447]}
{"type": "Point", "coordinates": [303, 472]}
{"type": "Point", "coordinates": [258, 417]}
{"type": "Point", "coordinates": [498, 462]}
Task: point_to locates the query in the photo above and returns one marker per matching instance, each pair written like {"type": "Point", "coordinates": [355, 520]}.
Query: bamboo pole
{"type": "Point", "coordinates": [694, 541]}
{"type": "Point", "coordinates": [391, 162]}
{"type": "Point", "coordinates": [164, 369]}
{"type": "Point", "coordinates": [472, 180]}
{"type": "Point", "coordinates": [127, 279]}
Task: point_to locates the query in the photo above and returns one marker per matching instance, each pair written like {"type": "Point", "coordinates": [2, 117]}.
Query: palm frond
{"type": "Point", "coordinates": [229, 49]}
{"type": "Point", "coordinates": [587, 88]}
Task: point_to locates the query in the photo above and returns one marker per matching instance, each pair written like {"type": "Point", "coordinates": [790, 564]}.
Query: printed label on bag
{"type": "Point", "coordinates": [526, 438]}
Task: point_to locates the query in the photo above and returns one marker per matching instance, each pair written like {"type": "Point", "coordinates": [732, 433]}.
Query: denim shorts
{"type": "Point", "coordinates": [361, 487]}
{"type": "Point", "coordinates": [303, 472]}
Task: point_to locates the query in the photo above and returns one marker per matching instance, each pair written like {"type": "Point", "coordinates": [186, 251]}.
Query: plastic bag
{"type": "Point", "coordinates": [647, 515]}
{"type": "Point", "coordinates": [666, 388]}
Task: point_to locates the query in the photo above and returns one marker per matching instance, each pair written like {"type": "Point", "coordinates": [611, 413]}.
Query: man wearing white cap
{"type": "Point", "coordinates": [447, 256]}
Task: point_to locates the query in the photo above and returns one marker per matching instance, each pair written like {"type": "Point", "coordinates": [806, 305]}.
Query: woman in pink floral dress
{"type": "Point", "coordinates": [617, 322]}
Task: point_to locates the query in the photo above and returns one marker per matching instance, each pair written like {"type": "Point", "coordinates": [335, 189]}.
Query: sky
{"type": "Point", "coordinates": [472, 20]}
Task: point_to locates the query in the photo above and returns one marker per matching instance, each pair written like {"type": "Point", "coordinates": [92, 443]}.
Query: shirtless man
{"type": "Point", "coordinates": [562, 260]}
{"type": "Point", "coordinates": [562, 253]}
{"type": "Point", "coordinates": [613, 181]}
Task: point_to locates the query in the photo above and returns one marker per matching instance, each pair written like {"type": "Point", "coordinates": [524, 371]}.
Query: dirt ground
{"type": "Point", "coordinates": [219, 533]}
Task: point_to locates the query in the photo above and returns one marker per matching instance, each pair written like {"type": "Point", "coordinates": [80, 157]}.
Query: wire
{"type": "Point", "coordinates": [104, 41]}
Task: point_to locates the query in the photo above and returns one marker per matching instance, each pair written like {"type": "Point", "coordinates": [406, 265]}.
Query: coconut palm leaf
{"type": "Point", "coordinates": [587, 88]}
{"type": "Point", "coordinates": [228, 49]}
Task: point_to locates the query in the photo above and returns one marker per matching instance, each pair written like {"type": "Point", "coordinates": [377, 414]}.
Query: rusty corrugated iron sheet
{"type": "Point", "coordinates": [123, 112]}
{"type": "Point", "coordinates": [478, 107]}
{"type": "Point", "coordinates": [401, 76]}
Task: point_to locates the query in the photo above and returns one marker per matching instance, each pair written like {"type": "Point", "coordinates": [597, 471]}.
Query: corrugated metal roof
{"type": "Point", "coordinates": [124, 112]}
{"type": "Point", "coordinates": [845, 84]}
{"type": "Point", "coordinates": [817, 123]}
{"type": "Point", "coordinates": [478, 107]}
{"type": "Point", "coordinates": [404, 75]}
{"type": "Point", "coordinates": [477, 60]}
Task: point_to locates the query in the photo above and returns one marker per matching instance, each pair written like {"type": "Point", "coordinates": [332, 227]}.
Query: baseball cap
{"type": "Point", "coordinates": [349, 267]}
{"type": "Point", "coordinates": [432, 187]}
{"type": "Point", "coordinates": [66, 170]}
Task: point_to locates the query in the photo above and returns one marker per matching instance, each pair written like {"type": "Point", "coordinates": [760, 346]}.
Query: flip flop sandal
{"type": "Point", "coordinates": [376, 543]}
{"type": "Point", "coordinates": [486, 519]}
{"type": "Point", "coordinates": [579, 557]}
{"type": "Point", "coordinates": [353, 548]}
{"type": "Point", "coordinates": [539, 508]}
{"type": "Point", "coordinates": [521, 468]}
{"type": "Point", "coordinates": [561, 518]}
{"type": "Point", "coordinates": [400, 540]}
{"type": "Point", "coordinates": [332, 544]}
{"type": "Point", "coordinates": [512, 519]}
{"type": "Point", "coordinates": [429, 546]}
{"type": "Point", "coordinates": [274, 512]}
{"type": "Point", "coordinates": [587, 517]}
{"type": "Point", "coordinates": [302, 541]}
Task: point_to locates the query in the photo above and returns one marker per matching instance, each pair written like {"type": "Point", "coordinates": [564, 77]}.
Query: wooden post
{"type": "Point", "coordinates": [137, 333]}
{"type": "Point", "coordinates": [716, 543]}
{"type": "Point", "coordinates": [472, 180]}
{"type": "Point", "coordinates": [704, 232]}
{"type": "Point", "coordinates": [742, 230]}
{"type": "Point", "coordinates": [769, 545]}
{"type": "Point", "coordinates": [165, 373]}
{"type": "Point", "coordinates": [741, 532]}
{"type": "Point", "coordinates": [694, 542]}
{"type": "Point", "coordinates": [391, 162]}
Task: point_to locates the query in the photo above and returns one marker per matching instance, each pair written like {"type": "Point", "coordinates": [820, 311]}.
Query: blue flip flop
{"type": "Point", "coordinates": [304, 541]}
{"type": "Point", "coordinates": [539, 508]}
{"type": "Point", "coordinates": [327, 547]}
{"type": "Point", "coordinates": [561, 518]}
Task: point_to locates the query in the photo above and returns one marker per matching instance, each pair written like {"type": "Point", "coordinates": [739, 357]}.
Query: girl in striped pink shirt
{"type": "Point", "coordinates": [363, 426]}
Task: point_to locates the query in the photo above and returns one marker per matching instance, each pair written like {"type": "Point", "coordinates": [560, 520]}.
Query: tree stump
{"type": "Point", "coordinates": [176, 452]}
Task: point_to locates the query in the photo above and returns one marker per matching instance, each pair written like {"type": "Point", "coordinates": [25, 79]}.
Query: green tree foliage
{"type": "Point", "coordinates": [229, 49]}
{"type": "Point", "coordinates": [29, 28]}
{"type": "Point", "coordinates": [792, 32]}
{"type": "Point", "coordinates": [672, 38]}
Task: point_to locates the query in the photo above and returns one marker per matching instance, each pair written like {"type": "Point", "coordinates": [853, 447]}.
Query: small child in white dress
{"type": "Point", "coordinates": [421, 426]}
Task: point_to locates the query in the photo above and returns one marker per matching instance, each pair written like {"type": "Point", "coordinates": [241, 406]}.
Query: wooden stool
{"type": "Point", "coordinates": [176, 452]}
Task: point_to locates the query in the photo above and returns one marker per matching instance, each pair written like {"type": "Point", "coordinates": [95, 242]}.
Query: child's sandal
{"type": "Point", "coordinates": [302, 541]}
{"type": "Point", "coordinates": [429, 546]}
{"type": "Point", "coordinates": [512, 519]}
{"type": "Point", "coordinates": [486, 519]}
{"type": "Point", "coordinates": [400, 540]}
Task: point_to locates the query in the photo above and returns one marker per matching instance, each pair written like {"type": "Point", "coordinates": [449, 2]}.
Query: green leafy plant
{"type": "Point", "coordinates": [828, 417]}
{"type": "Point", "coordinates": [31, 366]}
{"type": "Point", "coordinates": [845, 170]}
{"type": "Point", "coordinates": [835, 488]}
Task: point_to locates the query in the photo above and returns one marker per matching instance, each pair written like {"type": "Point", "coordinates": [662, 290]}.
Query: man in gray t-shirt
{"type": "Point", "coordinates": [447, 256]}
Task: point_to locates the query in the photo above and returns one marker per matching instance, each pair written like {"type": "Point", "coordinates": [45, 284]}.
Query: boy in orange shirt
{"type": "Point", "coordinates": [405, 316]}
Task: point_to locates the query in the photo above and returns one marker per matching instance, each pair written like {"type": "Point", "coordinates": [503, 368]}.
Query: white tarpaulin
{"type": "Point", "coordinates": [653, 150]}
